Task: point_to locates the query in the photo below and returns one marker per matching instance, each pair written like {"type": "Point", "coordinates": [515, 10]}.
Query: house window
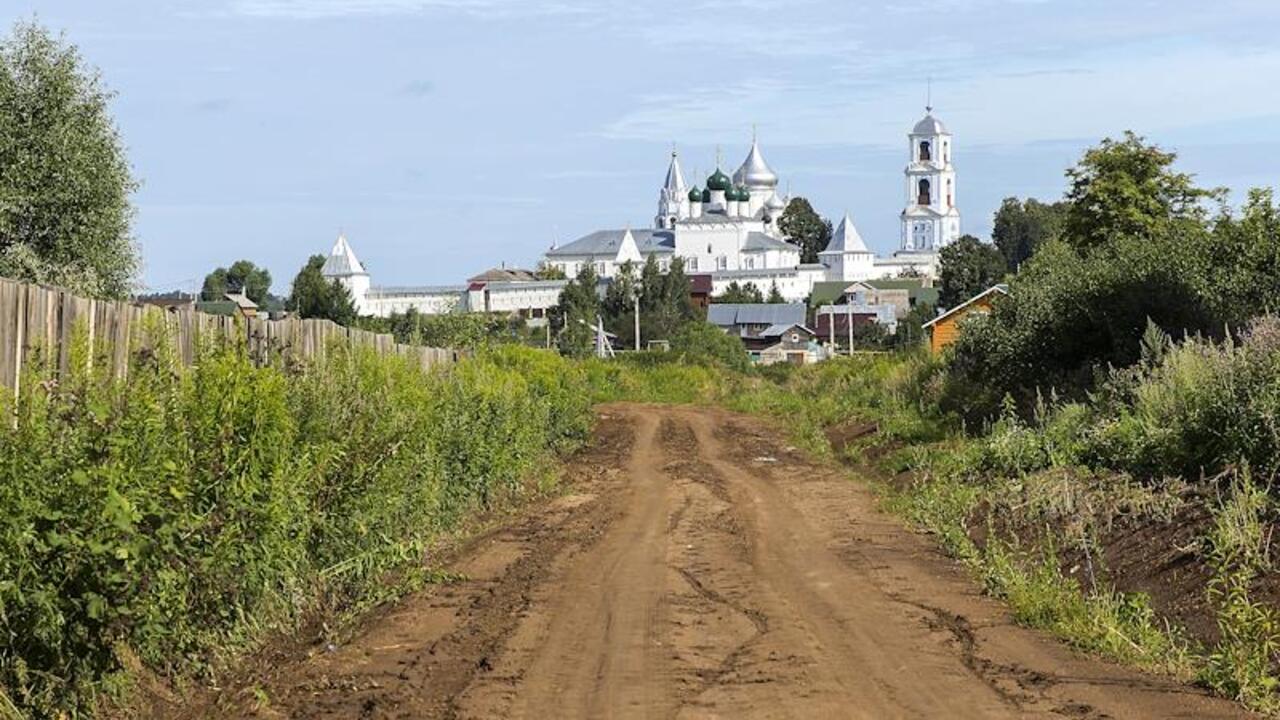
{"type": "Point", "coordinates": [722, 263]}
{"type": "Point", "coordinates": [925, 154]}
{"type": "Point", "coordinates": [923, 192]}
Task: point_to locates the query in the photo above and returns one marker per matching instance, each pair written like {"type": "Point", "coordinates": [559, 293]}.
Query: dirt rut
{"type": "Point", "coordinates": [702, 569]}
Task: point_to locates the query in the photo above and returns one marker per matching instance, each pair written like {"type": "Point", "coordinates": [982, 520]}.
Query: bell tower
{"type": "Point", "coordinates": [930, 220]}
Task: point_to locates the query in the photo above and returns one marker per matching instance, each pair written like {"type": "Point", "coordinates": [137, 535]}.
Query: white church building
{"type": "Point", "coordinates": [727, 230]}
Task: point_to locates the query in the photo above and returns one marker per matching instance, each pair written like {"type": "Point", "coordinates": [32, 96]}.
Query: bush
{"type": "Point", "coordinates": [704, 342]}
{"type": "Point", "coordinates": [181, 513]}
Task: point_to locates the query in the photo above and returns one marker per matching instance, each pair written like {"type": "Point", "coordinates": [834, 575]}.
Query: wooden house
{"type": "Point", "coordinates": [944, 329]}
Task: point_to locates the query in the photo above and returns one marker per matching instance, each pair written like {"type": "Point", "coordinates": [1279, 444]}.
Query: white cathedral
{"type": "Point", "coordinates": [727, 230]}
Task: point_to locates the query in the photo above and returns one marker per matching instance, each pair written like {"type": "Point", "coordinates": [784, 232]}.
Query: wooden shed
{"type": "Point", "coordinates": [944, 329]}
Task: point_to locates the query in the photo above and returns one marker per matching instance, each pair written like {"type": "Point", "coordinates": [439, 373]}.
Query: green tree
{"type": "Point", "coordinates": [64, 179]}
{"type": "Point", "coordinates": [576, 314]}
{"type": "Point", "coordinates": [735, 293]}
{"type": "Point", "coordinates": [619, 304]}
{"type": "Point", "coordinates": [967, 267]}
{"type": "Point", "coordinates": [1022, 226]}
{"type": "Point", "coordinates": [775, 295]}
{"type": "Point", "coordinates": [665, 300]}
{"type": "Point", "coordinates": [547, 271]}
{"type": "Point", "coordinates": [1128, 188]}
{"type": "Point", "coordinates": [805, 228]}
{"type": "Point", "coordinates": [242, 276]}
{"type": "Point", "coordinates": [313, 296]}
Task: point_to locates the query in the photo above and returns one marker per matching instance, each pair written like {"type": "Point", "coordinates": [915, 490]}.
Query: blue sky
{"type": "Point", "coordinates": [448, 136]}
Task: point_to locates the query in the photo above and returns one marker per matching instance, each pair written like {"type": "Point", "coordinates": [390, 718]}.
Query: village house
{"type": "Point", "coordinates": [944, 329]}
{"type": "Point", "coordinates": [794, 343]}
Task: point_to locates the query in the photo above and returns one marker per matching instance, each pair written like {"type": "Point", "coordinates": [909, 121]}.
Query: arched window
{"type": "Point", "coordinates": [923, 194]}
{"type": "Point", "coordinates": [672, 223]}
{"type": "Point", "coordinates": [950, 201]}
{"type": "Point", "coordinates": [925, 154]}
{"type": "Point", "coordinates": [946, 152]}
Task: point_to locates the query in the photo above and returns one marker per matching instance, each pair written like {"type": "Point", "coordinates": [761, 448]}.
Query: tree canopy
{"type": "Point", "coordinates": [313, 296]}
{"type": "Point", "coordinates": [1128, 188]}
{"type": "Point", "coordinates": [242, 276]}
{"type": "Point", "coordinates": [805, 228]}
{"type": "Point", "coordinates": [735, 293]}
{"type": "Point", "coordinates": [1022, 226]}
{"type": "Point", "coordinates": [968, 266]}
{"type": "Point", "coordinates": [65, 181]}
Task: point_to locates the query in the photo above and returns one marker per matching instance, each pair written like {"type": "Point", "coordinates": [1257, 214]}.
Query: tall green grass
{"type": "Point", "coordinates": [182, 514]}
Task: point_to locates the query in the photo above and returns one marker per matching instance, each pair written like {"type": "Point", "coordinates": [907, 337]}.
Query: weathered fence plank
{"type": "Point", "coordinates": [42, 324]}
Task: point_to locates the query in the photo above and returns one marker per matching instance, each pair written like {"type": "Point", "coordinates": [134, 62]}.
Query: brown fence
{"type": "Point", "coordinates": [38, 321]}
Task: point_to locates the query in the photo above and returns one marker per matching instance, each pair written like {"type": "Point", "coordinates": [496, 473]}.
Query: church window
{"type": "Point", "coordinates": [924, 194]}
{"type": "Point", "coordinates": [600, 268]}
{"type": "Point", "coordinates": [946, 152]}
{"type": "Point", "coordinates": [722, 263]}
{"type": "Point", "coordinates": [925, 154]}
{"type": "Point", "coordinates": [749, 262]}
{"type": "Point", "coordinates": [949, 201]}
{"type": "Point", "coordinates": [692, 263]}
{"type": "Point", "coordinates": [664, 264]}
{"type": "Point", "coordinates": [672, 222]}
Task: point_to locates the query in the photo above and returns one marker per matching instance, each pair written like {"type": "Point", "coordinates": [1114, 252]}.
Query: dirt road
{"type": "Point", "coordinates": [702, 569]}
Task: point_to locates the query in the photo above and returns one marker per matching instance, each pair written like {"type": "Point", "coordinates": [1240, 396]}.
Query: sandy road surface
{"type": "Point", "coordinates": [701, 569]}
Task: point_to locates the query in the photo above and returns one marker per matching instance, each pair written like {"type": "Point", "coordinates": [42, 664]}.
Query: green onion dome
{"type": "Point", "coordinates": [744, 195]}
{"type": "Point", "coordinates": [706, 195]}
{"type": "Point", "coordinates": [719, 181]}
{"type": "Point", "coordinates": [695, 195]}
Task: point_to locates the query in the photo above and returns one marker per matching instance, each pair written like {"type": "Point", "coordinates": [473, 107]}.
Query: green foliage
{"type": "Point", "coordinates": [242, 276]}
{"type": "Point", "coordinates": [181, 514]}
{"type": "Point", "coordinates": [448, 330]}
{"type": "Point", "coordinates": [1022, 227]}
{"type": "Point", "coordinates": [576, 314]}
{"type": "Point", "coordinates": [619, 305]}
{"type": "Point", "coordinates": [64, 178]}
{"type": "Point", "coordinates": [735, 293]}
{"type": "Point", "coordinates": [1243, 665]}
{"type": "Point", "coordinates": [705, 342]}
{"type": "Point", "coordinates": [775, 295]}
{"type": "Point", "coordinates": [805, 228]}
{"type": "Point", "coordinates": [665, 300]}
{"type": "Point", "coordinates": [312, 296]}
{"type": "Point", "coordinates": [967, 267]}
{"type": "Point", "coordinates": [1127, 189]}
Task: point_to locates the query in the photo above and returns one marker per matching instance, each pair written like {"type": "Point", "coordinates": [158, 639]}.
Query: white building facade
{"type": "Point", "coordinates": [729, 228]}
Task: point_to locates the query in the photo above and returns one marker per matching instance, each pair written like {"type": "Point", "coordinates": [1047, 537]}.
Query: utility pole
{"type": "Point", "coordinates": [637, 301]}
{"type": "Point", "coordinates": [849, 321]}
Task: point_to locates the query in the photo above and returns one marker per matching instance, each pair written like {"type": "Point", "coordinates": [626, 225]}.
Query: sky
{"type": "Point", "coordinates": [444, 137]}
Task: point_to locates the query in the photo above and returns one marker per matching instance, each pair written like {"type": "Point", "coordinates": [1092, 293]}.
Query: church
{"type": "Point", "coordinates": [726, 229]}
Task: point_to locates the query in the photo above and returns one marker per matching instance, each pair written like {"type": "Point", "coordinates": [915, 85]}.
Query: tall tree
{"type": "Point", "coordinates": [576, 314]}
{"type": "Point", "coordinates": [805, 228]}
{"type": "Point", "coordinates": [1127, 188]}
{"type": "Point", "coordinates": [619, 304]}
{"type": "Point", "coordinates": [1022, 226]}
{"type": "Point", "coordinates": [775, 295]}
{"type": "Point", "coordinates": [64, 179]}
{"type": "Point", "coordinates": [665, 300]}
{"type": "Point", "coordinates": [313, 296]}
{"type": "Point", "coordinates": [242, 276]}
{"type": "Point", "coordinates": [968, 266]}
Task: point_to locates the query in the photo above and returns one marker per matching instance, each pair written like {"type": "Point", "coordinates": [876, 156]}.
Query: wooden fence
{"type": "Point", "coordinates": [41, 322]}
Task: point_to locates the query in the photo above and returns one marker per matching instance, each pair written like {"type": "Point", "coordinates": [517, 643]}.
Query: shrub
{"type": "Point", "coordinates": [179, 514]}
